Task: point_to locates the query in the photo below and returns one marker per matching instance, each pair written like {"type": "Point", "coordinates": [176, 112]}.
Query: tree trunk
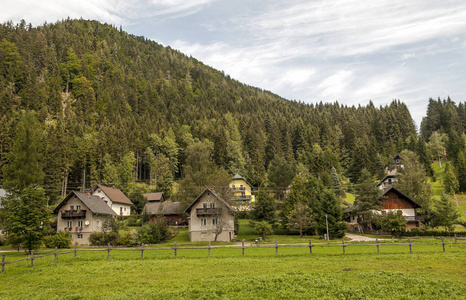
{"type": "Point", "coordinates": [263, 236]}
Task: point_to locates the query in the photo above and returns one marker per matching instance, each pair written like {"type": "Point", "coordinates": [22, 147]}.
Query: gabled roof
{"type": "Point", "coordinates": [390, 175]}
{"type": "Point", "coordinates": [187, 210]}
{"type": "Point", "coordinates": [115, 195]}
{"type": "Point", "coordinates": [166, 208]}
{"type": "Point", "coordinates": [158, 196]}
{"type": "Point", "coordinates": [415, 204]}
{"type": "Point", "coordinates": [239, 177]}
{"type": "Point", "coordinates": [95, 204]}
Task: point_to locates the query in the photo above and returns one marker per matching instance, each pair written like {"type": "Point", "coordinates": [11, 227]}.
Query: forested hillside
{"type": "Point", "coordinates": [107, 106]}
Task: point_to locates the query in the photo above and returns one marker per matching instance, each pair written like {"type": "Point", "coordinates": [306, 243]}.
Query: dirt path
{"type": "Point", "coordinates": [360, 238]}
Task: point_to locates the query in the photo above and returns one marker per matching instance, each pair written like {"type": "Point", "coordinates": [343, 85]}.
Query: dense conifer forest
{"type": "Point", "coordinates": [104, 106]}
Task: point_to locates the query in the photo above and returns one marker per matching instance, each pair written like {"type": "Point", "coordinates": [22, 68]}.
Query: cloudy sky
{"type": "Point", "coordinates": [348, 51]}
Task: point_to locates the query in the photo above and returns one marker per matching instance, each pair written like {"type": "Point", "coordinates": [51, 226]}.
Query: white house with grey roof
{"type": "Point", "coordinates": [80, 214]}
{"type": "Point", "coordinates": [210, 218]}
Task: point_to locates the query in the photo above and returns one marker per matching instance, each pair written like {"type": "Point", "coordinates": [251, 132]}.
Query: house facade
{"type": "Point", "coordinates": [210, 216]}
{"type": "Point", "coordinates": [80, 214]}
{"type": "Point", "coordinates": [394, 200]}
{"type": "Point", "coordinates": [171, 211]}
{"type": "Point", "coordinates": [115, 199]}
{"type": "Point", "coordinates": [241, 189]}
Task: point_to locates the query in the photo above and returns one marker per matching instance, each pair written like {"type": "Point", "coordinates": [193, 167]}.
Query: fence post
{"type": "Point", "coordinates": [32, 258]}
{"type": "Point", "coordinates": [75, 244]}
{"type": "Point", "coordinates": [209, 248]}
{"type": "Point", "coordinates": [142, 250]}
{"type": "Point", "coordinates": [443, 245]}
{"type": "Point", "coordinates": [55, 256]}
{"type": "Point", "coordinates": [3, 263]}
{"type": "Point", "coordinates": [410, 249]}
{"type": "Point", "coordinates": [343, 242]}
{"type": "Point", "coordinates": [276, 247]}
{"type": "Point", "coordinates": [310, 247]}
{"type": "Point", "coordinates": [242, 246]}
{"type": "Point", "coordinates": [377, 242]}
{"type": "Point", "coordinates": [175, 249]}
{"type": "Point", "coordinates": [108, 250]}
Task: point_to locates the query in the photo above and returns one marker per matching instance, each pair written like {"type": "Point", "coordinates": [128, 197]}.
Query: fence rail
{"type": "Point", "coordinates": [175, 249]}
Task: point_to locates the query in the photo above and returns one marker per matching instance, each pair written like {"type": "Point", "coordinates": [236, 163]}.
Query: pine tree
{"type": "Point", "coordinates": [461, 171]}
{"type": "Point", "coordinates": [444, 213]}
{"type": "Point", "coordinates": [368, 199]}
{"type": "Point", "coordinates": [450, 183]}
{"type": "Point", "coordinates": [27, 217]}
{"type": "Point", "coordinates": [24, 166]}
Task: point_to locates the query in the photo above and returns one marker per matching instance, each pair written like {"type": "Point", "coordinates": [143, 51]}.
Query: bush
{"type": "Point", "coordinates": [128, 238]}
{"type": "Point", "coordinates": [153, 232]}
{"type": "Point", "coordinates": [61, 239]}
{"type": "Point", "coordinates": [133, 221]}
{"type": "Point", "coordinates": [104, 238]}
{"type": "Point", "coordinates": [2, 240]}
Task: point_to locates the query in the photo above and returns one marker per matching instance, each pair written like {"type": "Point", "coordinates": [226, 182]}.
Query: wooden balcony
{"type": "Point", "coordinates": [72, 214]}
{"type": "Point", "coordinates": [415, 218]}
{"type": "Point", "coordinates": [208, 211]}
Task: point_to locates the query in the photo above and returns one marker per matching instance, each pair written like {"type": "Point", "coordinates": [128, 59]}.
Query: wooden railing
{"type": "Point", "coordinates": [70, 214]}
{"type": "Point", "coordinates": [243, 247]}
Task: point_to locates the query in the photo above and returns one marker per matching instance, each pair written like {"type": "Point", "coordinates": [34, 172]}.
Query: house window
{"type": "Point", "coordinates": [71, 206]}
{"type": "Point", "coordinates": [80, 236]}
{"type": "Point", "coordinates": [212, 205]}
{"type": "Point", "coordinates": [69, 223]}
{"type": "Point", "coordinates": [121, 209]}
{"type": "Point", "coordinates": [203, 222]}
{"type": "Point", "coordinates": [125, 208]}
{"type": "Point", "coordinates": [80, 223]}
{"type": "Point", "coordinates": [78, 206]}
{"type": "Point", "coordinates": [98, 223]}
{"type": "Point", "coordinates": [214, 221]}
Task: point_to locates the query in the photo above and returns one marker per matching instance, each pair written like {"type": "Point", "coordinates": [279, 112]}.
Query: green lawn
{"type": "Point", "coordinates": [361, 273]}
{"type": "Point", "coordinates": [350, 198]}
{"type": "Point", "coordinates": [247, 233]}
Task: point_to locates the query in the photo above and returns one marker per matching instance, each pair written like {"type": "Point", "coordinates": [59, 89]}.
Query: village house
{"type": "Point", "coordinates": [242, 190]}
{"type": "Point", "coordinates": [115, 199]}
{"type": "Point", "coordinates": [392, 200]}
{"type": "Point", "coordinates": [154, 197]}
{"type": "Point", "coordinates": [80, 214]}
{"type": "Point", "coordinates": [171, 211]}
{"type": "Point", "coordinates": [211, 218]}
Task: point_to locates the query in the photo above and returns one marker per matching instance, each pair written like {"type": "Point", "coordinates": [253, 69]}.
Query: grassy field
{"type": "Point", "coordinates": [361, 273]}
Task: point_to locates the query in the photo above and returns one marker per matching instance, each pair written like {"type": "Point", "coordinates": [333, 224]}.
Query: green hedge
{"type": "Point", "coordinates": [414, 232]}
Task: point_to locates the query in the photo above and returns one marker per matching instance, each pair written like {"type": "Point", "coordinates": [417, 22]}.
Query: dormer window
{"type": "Point", "coordinates": [71, 206]}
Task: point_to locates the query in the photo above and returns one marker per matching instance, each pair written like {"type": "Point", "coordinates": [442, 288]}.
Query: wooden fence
{"type": "Point", "coordinates": [175, 249]}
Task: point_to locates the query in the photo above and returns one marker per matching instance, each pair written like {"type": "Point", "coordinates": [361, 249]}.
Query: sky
{"type": "Point", "coordinates": [349, 51]}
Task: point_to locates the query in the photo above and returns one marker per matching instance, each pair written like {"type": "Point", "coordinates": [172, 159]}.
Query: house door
{"type": "Point", "coordinates": [229, 236]}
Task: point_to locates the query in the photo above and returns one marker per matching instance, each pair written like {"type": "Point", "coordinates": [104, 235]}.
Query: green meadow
{"type": "Point", "coordinates": [327, 273]}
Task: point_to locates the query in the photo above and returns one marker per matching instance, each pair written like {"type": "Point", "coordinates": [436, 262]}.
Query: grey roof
{"type": "Point", "coordinates": [216, 196]}
{"type": "Point", "coordinates": [95, 204]}
{"type": "Point", "coordinates": [166, 208]}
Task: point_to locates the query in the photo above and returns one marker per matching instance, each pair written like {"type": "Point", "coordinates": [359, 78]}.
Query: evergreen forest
{"type": "Point", "coordinates": [83, 103]}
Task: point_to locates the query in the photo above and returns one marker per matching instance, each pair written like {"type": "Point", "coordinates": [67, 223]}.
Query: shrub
{"type": "Point", "coordinates": [2, 240]}
{"type": "Point", "coordinates": [153, 232]}
{"type": "Point", "coordinates": [128, 238]}
{"type": "Point", "coordinates": [103, 238]}
{"type": "Point", "coordinates": [61, 239]}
